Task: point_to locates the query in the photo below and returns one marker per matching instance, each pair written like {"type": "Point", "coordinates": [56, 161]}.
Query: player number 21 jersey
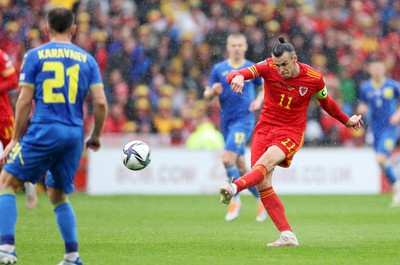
{"type": "Point", "coordinates": [60, 73]}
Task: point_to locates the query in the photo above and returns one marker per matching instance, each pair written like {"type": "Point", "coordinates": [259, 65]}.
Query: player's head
{"type": "Point", "coordinates": [284, 58]}
{"type": "Point", "coordinates": [60, 20]}
{"type": "Point", "coordinates": [236, 45]}
{"type": "Point", "coordinates": [377, 70]}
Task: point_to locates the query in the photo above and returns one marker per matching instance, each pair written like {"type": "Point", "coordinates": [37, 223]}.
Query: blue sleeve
{"type": "Point", "coordinates": [213, 77]}
{"type": "Point", "coordinates": [28, 69]}
{"type": "Point", "coordinates": [258, 82]}
{"type": "Point", "coordinates": [96, 76]}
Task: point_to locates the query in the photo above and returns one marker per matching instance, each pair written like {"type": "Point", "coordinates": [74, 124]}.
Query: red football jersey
{"type": "Point", "coordinates": [286, 100]}
{"type": "Point", "coordinates": [6, 70]}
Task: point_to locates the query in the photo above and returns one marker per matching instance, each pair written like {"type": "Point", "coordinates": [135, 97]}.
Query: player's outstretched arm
{"type": "Point", "coordinates": [333, 109]}
{"type": "Point", "coordinates": [247, 73]}
{"type": "Point", "coordinates": [236, 78]}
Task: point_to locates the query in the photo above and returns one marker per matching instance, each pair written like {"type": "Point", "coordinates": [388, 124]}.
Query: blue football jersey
{"type": "Point", "coordinates": [382, 102]}
{"type": "Point", "coordinates": [233, 106]}
{"type": "Point", "coordinates": [61, 74]}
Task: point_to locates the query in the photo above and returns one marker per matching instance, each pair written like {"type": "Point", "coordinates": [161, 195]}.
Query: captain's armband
{"type": "Point", "coordinates": [323, 93]}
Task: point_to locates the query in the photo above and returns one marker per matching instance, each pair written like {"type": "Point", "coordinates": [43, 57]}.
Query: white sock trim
{"type": "Point", "coordinates": [72, 256]}
{"type": "Point", "coordinates": [234, 188]}
{"type": "Point", "coordinates": [7, 248]}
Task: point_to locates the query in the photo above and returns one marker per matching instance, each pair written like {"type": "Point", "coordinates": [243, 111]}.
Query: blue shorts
{"type": "Point", "coordinates": [385, 141]}
{"type": "Point", "coordinates": [56, 148]}
{"type": "Point", "coordinates": [236, 134]}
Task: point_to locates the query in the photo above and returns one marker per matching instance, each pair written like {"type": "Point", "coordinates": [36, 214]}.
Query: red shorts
{"type": "Point", "coordinates": [265, 135]}
{"type": "Point", "coordinates": [6, 130]}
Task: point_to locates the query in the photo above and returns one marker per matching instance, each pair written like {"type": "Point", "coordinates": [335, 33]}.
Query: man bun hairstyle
{"type": "Point", "coordinates": [282, 47]}
{"type": "Point", "coordinates": [60, 19]}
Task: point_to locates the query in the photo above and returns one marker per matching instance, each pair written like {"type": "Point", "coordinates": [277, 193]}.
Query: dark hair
{"type": "Point", "coordinates": [60, 19]}
{"type": "Point", "coordinates": [282, 47]}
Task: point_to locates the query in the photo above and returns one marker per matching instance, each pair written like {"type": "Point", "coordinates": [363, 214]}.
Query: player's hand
{"type": "Point", "coordinates": [93, 143]}
{"type": "Point", "coordinates": [237, 84]}
{"type": "Point", "coordinates": [355, 121]}
{"type": "Point", "coordinates": [217, 88]}
{"type": "Point", "coordinates": [7, 151]}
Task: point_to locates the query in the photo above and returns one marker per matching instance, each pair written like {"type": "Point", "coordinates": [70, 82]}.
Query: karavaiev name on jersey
{"type": "Point", "coordinates": [62, 53]}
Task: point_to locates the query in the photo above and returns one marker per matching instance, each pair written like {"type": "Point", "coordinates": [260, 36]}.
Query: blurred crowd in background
{"type": "Point", "coordinates": [155, 55]}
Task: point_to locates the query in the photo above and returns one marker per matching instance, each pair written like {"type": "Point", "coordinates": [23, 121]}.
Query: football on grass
{"type": "Point", "coordinates": [136, 155]}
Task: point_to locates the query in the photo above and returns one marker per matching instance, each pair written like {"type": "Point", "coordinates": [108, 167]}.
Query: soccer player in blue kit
{"type": "Point", "coordinates": [237, 116]}
{"type": "Point", "coordinates": [57, 76]}
{"type": "Point", "coordinates": [380, 95]}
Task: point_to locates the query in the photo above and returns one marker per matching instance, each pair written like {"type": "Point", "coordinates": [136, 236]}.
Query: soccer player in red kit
{"type": "Point", "coordinates": [279, 133]}
{"type": "Point", "coordinates": [8, 81]}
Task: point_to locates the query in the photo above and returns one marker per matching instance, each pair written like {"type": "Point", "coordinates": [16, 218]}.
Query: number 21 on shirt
{"type": "Point", "coordinates": [50, 85]}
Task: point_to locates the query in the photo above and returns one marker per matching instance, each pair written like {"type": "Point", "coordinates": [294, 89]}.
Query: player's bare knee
{"type": "Point", "coordinates": [56, 195]}
{"type": "Point", "coordinates": [264, 185]}
{"type": "Point", "coordinates": [8, 181]}
{"type": "Point", "coordinates": [242, 169]}
{"type": "Point", "coordinates": [228, 158]}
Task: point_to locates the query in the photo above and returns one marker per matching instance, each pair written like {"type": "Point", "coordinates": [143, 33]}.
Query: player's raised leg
{"type": "Point", "coordinates": [251, 178]}
{"type": "Point", "coordinates": [261, 212]}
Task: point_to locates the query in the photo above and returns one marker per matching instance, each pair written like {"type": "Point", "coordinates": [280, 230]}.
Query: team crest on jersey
{"type": "Point", "coordinates": [303, 90]}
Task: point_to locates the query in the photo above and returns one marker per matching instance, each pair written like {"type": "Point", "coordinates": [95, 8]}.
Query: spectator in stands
{"type": "Point", "coordinates": [116, 121]}
{"type": "Point", "coordinates": [163, 118]}
{"type": "Point", "coordinates": [205, 135]}
{"type": "Point", "coordinates": [177, 134]}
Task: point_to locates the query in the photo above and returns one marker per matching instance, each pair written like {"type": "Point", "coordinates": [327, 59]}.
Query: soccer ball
{"type": "Point", "coordinates": [136, 155]}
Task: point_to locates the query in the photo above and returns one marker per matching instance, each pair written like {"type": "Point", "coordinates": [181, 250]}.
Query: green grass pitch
{"type": "Point", "coordinates": [192, 230]}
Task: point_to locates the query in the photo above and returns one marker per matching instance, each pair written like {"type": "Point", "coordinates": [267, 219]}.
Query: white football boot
{"type": "Point", "coordinates": [226, 192]}
{"type": "Point", "coordinates": [8, 257]}
{"type": "Point", "coordinates": [287, 238]}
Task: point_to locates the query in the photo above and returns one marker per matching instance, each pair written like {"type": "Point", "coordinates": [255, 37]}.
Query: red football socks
{"type": "Point", "coordinates": [275, 208]}
{"type": "Point", "coordinates": [251, 178]}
